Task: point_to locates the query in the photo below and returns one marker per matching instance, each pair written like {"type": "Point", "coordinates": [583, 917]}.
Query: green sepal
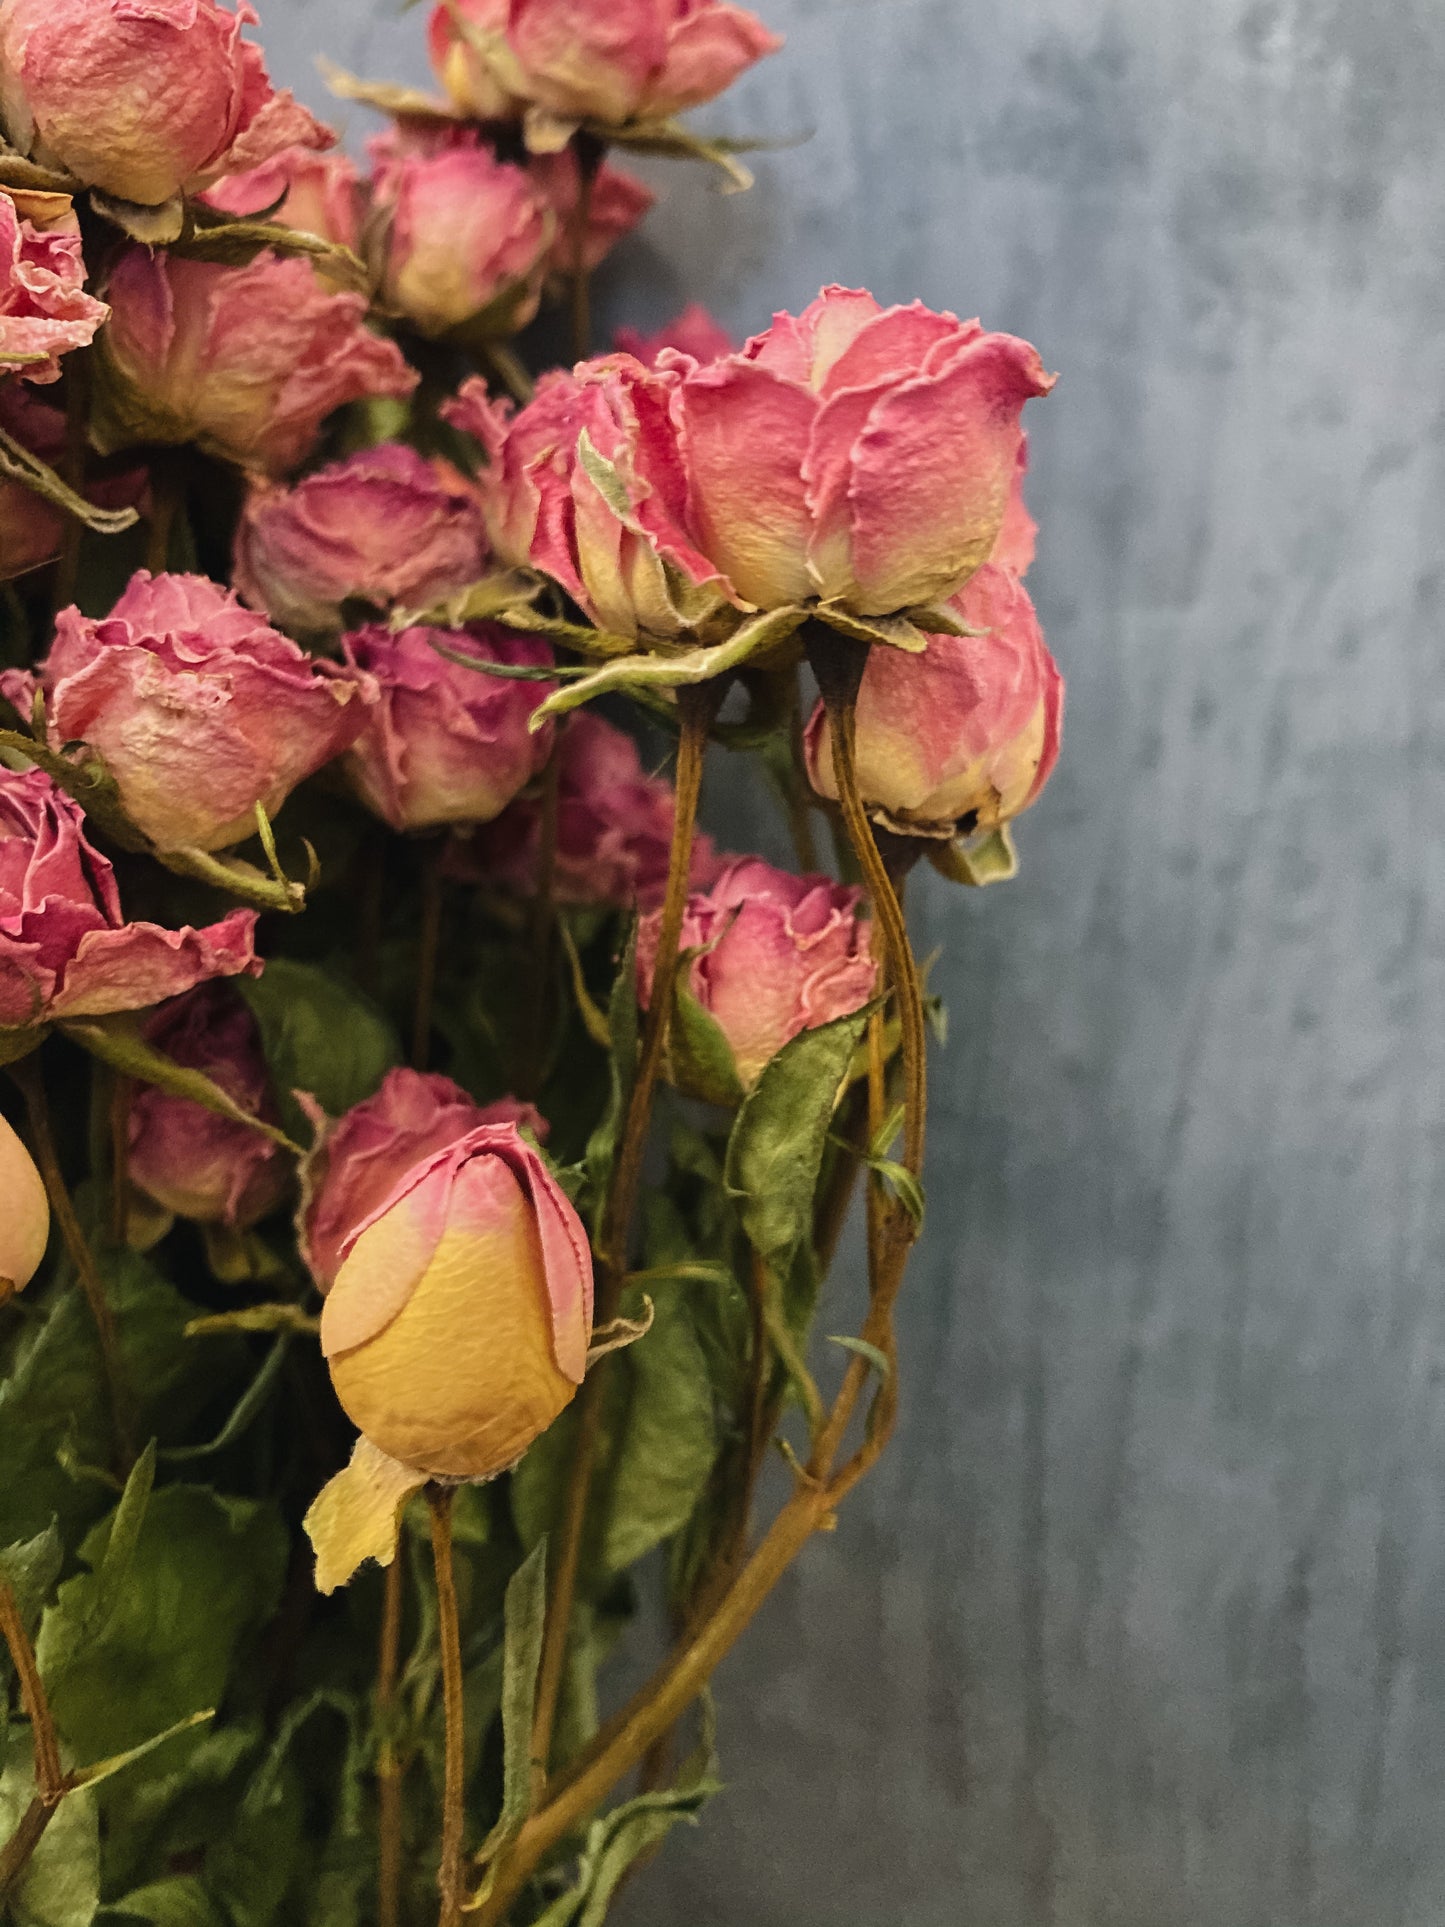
{"type": "Point", "coordinates": [700, 1059]}
{"type": "Point", "coordinates": [893, 632]}
{"type": "Point", "coordinates": [977, 861]}
{"type": "Point", "coordinates": [756, 639]}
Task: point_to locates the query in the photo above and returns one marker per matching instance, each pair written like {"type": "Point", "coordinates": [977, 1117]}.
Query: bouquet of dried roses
{"type": "Point", "coordinates": [425, 1150]}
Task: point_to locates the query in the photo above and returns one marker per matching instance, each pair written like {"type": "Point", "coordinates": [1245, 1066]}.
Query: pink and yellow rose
{"type": "Point", "coordinates": [246, 361]}
{"type": "Point", "coordinates": [142, 100]}
{"type": "Point", "coordinates": [25, 1221]}
{"type": "Point", "coordinates": [457, 1327]}
{"type": "Point", "coordinates": [385, 527]}
{"type": "Point", "coordinates": [771, 954]}
{"type": "Point", "coordinates": [199, 708]}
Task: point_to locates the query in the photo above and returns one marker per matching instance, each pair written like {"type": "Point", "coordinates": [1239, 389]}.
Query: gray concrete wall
{"type": "Point", "coordinates": [1143, 1622]}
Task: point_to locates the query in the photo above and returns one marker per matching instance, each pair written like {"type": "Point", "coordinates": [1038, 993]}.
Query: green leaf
{"type": "Point", "coordinates": [700, 1058]}
{"type": "Point", "coordinates": [623, 1028]}
{"type": "Point", "coordinates": [320, 1035]}
{"type": "Point", "coordinates": [61, 1885]}
{"type": "Point", "coordinates": [204, 1573]}
{"type": "Point", "coordinates": [659, 1443]}
{"type": "Point", "coordinates": [117, 1041]}
{"type": "Point", "coordinates": [776, 1148]}
{"type": "Point", "coordinates": [71, 1634]}
{"type": "Point", "coordinates": [101, 1770]}
{"type": "Point", "coordinates": [49, 1400]}
{"type": "Point", "coordinates": [488, 599]}
{"type": "Point", "coordinates": [246, 1408]}
{"type": "Point", "coordinates": [31, 1568]}
{"type": "Point", "coordinates": [525, 1615]}
{"type": "Point", "coordinates": [878, 1360]}
{"type": "Point", "coordinates": [178, 1902]}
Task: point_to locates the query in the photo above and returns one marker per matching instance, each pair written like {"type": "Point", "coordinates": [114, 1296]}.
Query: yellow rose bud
{"type": "Point", "coordinates": [458, 1324]}
{"type": "Point", "coordinates": [24, 1214]}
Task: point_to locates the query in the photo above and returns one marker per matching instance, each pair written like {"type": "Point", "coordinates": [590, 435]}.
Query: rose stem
{"type": "Point", "coordinates": [50, 1782]}
{"type": "Point", "coordinates": [26, 1075]}
{"type": "Point", "coordinates": [800, 808]}
{"type": "Point", "coordinates": [119, 1108]}
{"type": "Point", "coordinates": [77, 413]}
{"type": "Point", "coordinates": [449, 1875]}
{"type": "Point", "coordinates": [429, 945]}
{"type": "Point", "coordinates": [696, 708]}
{"type": "Point", "coordinates": [388, 1765]}
{"type": "Point", "coordinates": [166, 493]}
{"type": "Point", "coordinates": [589, 152]}
{"type": "Point", "coordinates": [627, 1737]}
{"type": "Point", "coordinates": [542, 924]}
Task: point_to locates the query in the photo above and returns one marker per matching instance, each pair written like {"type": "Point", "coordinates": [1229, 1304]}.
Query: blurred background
{"type": "Point", "coordinates": [1142, 1622]}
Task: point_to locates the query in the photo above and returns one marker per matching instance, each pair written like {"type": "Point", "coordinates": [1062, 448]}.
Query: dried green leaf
{"type": "Point", "coordinates": [22, 465]}
{"type": "Point", "coordinates": [525, 1615]}
{"type": "Point", "coordinates": [61, 1885]}
{"type": "Point", "coordinates": [700, 1058]}
{"type": "Point", "coordinates": [892, 632]}
{"type": "Point", "coordinates": [118, 1041]}
{"type": "Point", "coordinates": [30, 1569]}
{"type": "Point", "coordinates": [776, 1147]}
{"type": "Point", "coordinates": [877, 1359]}
{"type": "Point", "coordinates": [622, 1030]}
{"type": "Point", "coordinates": [320, 1035]}
{"type": "Point", "coordinates": [494, 596]}
{"type": "Point", "coordinates": [640, 673]}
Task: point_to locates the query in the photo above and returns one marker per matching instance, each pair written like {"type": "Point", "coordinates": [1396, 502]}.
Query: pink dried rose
{"type": "Point", "coordinates": [248, 362]}
{"type": "Point", "coordinates": [631, 60]}
{"type": "Point", "coordinates": [142, 98]}
{"type": "Point", "coordinates": [963, 737]}
{"type": "Point", "coordinates": [693, 332]}
{"type": "Point", "coordinates": [193, 1163]}
{"type": "Point", "coordinates": [386, 526]}
{"type": "Point", "coordinates": [614, 827]}
{"type": "Point", "coordinates": [199, 709]}
{"type": "Point", "coordinates": [32, 530]}
{"type": "Point", "coordinates": [44, 309]}
{"type": "Point", "coordinates": [616, 203]}
{"type": "Point", "coordinates": [446, 744]}
{"type": "Point", "coordinates": [585, 485]}
{"type": "Point", "coordinates": [855, 453]}
{"type": "Point", "coordinates": [776, 954]}
{"type": "Point", "coordinates": [459, 238]}
{"type": "Point", "coordinates": [65, 948]}
{"type": "Point", "coordinates": [359, 1159]}
{"type": "Point", "coordinates": [458, 1325]}
{"type": "Point", "coordinates": [319, 193]}
{"type": "Point", "coordinates": [25, 1221]}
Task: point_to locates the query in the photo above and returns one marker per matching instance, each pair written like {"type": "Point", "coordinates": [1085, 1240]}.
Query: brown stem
{"type": "Point", "coordinates": [428, 949]}
{"type": "Point", "coordinates": [50, 1782]}
{"type": "Point", "coordinates": [167, 488]}
{"type": "Point", "coordinates": [26, 1074]}
{"type": "Point", "coordinates": [388, 1764]}
{"type": "Point", "coordinates": [120, 1096]}
{"type": "Point", "coordinates": [696, 707]}
{"type": "Point", "coordinates": [800, 808]}
{"type": "Point", "coordinates": [449, 1874]}
{"type": "Point", "coordinates": [72, 469]}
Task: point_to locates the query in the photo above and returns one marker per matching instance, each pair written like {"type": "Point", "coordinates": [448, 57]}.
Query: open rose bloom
{"type": "Point", "coordinates": [199, 708]}
{"type": "Point", "coordinates": [142, 98]}
{"type": "Point", "coordinates": [631, 60]}
{"type": "Point", "coordinates": [66, 949]}
{"type": "Point", "coordinates": [44, 308]}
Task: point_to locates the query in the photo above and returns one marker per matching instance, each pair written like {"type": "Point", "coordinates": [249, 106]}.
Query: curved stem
{"type": "Point", "coordinates": [50, 1782]}
{"type": "Point", "coordinates": [449, 1874]}
{"type": "Point", "coordinates": [388, 1765]}
{"type": "Point", "coordinates": [696, 707]}
{"type": "Point", "coordinates": [26, 1074]}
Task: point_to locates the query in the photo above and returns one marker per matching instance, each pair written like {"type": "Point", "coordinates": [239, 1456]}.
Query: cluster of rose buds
{"type": "Point", "coordinates": [429, 572]}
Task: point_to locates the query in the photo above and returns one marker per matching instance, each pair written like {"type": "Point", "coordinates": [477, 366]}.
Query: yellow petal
{"type": "Point", "coordinates": [357, 1515]}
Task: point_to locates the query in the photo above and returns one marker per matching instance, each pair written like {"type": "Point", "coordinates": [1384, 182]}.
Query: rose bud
{"type": "Point", "coordinates": [614, 827]}
{"type": "Point", "coordinates": [192, 1162]}
{"type": "Point", "coordinates": [359, 1160]}
{"type": "Point", "coordinates": [459, 239]}
{"type": "Point", "coordinates": [44, 309]}
{"type": "Point", "coordinates": [319, 194]}
{"type": "Point", "coordinates": [25, 1220]}
{"type": "Point", "coordinates": [693, 332]}
{"type": "Point", "coordinates": [385, 526]}
{"type": "Point", "coordinates": [634, 60]}
{"type": "Point", "coordinates": [856, 453]}
{"type": "Point", "coordinates": [198, 707]}
{"type": "Point", "coordinates": [446, 744]}
{"type": "Point", "coordinates": [142, 101]}
{"type": "Point", "coordinates": [65, 948]}
{"type": "Point", "coordinates": [457, 1327]}
{"type": "Point", "coordinates": [616, 202]}
{"type": "Point", "coordinates": [552, 500]}
{"type": "Point", "coordinates": [963, 737]}
{"type": "Point", "coordinates": [776, 954]}
{"type": "Point", "coordinates": [32, 530]}
{"type": "Point", "coordinates": [247, 361]}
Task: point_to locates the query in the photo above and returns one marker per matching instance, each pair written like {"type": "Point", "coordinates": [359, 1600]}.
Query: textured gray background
{"type": "Point", "coordinates": [1143, 1622]}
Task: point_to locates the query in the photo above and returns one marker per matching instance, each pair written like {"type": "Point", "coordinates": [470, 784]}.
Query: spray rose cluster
{"type": "Point", "coordinates": [358, 673]}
